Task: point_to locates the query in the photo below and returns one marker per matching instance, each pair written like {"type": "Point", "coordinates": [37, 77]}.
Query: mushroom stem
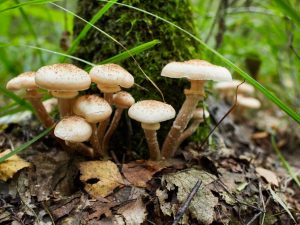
{"type": "Point", "coordinates": [94, 138]}
{"type": "Point", "coordinates": [186, 112]}
{"type": "Point", "coordinates": [108, 97]}
{"type": "Point", "coordinates": [151, 137]}
{"type": "Point", "coordinates": [113, 126]}
{"type": "Point", "coordinates": [65, 107]}
{"type": "Point", "coordinates": [35, 99]}
{"type": "Point", "coordinates": [81, 148]}
{"type": "Point", "coordinates": [189, 131]}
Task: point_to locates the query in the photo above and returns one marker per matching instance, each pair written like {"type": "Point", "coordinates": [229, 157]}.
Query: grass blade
{"type": "Point", "coordinates": [25, 145]}
{"type": "Point", "coordinates": [242, 73]}
{"type": "Point", "coordinates": [19, 5]}
{"type": "Point", "coordinates": [284, 162]}
{"type": "Point", "coordinates": [134, 51]}
{"type": "Point", "coordinates": [16, 98]}
{"type": "Point", "coordinates": [287, 9]}
{"type": "Point", "coordinates": [88, 26]}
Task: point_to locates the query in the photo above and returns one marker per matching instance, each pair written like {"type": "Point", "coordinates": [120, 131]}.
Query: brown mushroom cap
{"type": "Point", "coordinates": [73, 129]}
{"type": "Point", "coordinates": [196, 70]}
{"type": "Point", "coordinates": [93, 108]}
{"type": "Point", "coordinates": [62, 77]}
{"type": "Point", "coordinates": [23, 81]}
{"type": "Point", "coordinates": [123, 99]}
{"type": "Point", "coordinates": [151, 111]}
{"type": "Point", "coordinates": [111, 75]}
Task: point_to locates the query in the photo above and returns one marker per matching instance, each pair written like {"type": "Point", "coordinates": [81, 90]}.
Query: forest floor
{"type": "Point", "coordinates": [239, 177]}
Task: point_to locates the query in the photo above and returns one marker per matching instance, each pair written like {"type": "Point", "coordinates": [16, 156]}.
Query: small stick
{"type": "Point", "coordinates": [187, 202]}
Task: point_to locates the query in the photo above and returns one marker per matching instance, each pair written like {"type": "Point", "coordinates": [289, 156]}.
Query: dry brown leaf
{"type": "Point", "coordinates": [270, 176]}
{"type": "Point", "coordinates": [11, 166]}
{"type": "Point", "coordinates": [100, 177]}
{"type": "Point", "coordinates": [140, 172]}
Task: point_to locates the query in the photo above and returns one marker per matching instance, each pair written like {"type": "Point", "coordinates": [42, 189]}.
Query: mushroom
{"type": "Point", "coordinates": [197, 72]}
{"type": "Point", "coordinates": [74, 130]}
{"type": "Point", "coordinates": [63, 81]}
{"type": "Point", "coordinates": [122, 100]}
{"type": "Point", "coordinates": [198, 117]}
{"type": "Point", "coordinates": [27, 81]}
{"type": "Point", "coordinates": [109, 79]}
{"type": "Point", "coordinates": [244, 103]}
{"type": "Point", "coordinates": [227, 89]}
{"type": "Point", "coordinates": [150, 113]}
{"type": "Point", "coordinates": [94, 109]}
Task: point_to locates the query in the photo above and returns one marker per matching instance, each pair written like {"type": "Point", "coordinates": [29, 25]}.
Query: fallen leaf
{"type": "Point", "coordinates": [100, 177]}
{"type": "Point", "coordinates": [270, 176]}
{"type": "Point", "coordinates": [140, 172]}
{"type": "Point", "coordinates": [11, 165]}
{"type": "Point", "coordinates": [203, 203]}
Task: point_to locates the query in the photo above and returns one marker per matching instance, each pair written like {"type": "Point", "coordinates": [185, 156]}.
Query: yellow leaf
{"type": "Point", "coordinates": [100, 177]}
{"type": "Point", "coordinates": [11, 166]}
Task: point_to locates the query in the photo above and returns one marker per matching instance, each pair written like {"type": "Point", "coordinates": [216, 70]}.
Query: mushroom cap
{"type": "Point", "coordinates": [198, 114]}
{"type": "Point", "coordinates": [62, 77]}
{"type": "Point", "coordinates": [151, 111]}
{"type": "Point", "coordinates": [50, 104]}
{"type": "Point", "coordinates": [64, 94]}
{"type": "Point", "coordinates": [93, 108]}
{"type": "Point", "coordinates": [123, 99]}
{"type": "Point", "coordinates": [232, 85]}
{"type": "Point", "coordinates": [248, 102]}
{"type": "Point", "coordinates": [23, 81]}
{"type": "Point", "coordinates": [111, 75]}
{"type": "Point", "coordinates": [73, 129]}
{"type": "Point", "coordinates": [196, 70]}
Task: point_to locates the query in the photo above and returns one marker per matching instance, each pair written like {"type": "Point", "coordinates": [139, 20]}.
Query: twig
{"type": "Point", "coordinates": [187, 202]}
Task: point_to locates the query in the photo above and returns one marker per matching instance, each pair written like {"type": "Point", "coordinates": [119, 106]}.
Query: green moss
{"type": "Point", "coordinates": [132, 28]}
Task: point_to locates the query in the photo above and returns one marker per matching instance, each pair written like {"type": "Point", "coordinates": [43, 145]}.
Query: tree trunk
{"type": "Point", "coordinates": [132, 28]}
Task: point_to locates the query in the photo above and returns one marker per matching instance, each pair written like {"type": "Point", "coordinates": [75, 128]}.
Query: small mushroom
{"type": "Point", "coordinates": [109, 79]}
{"type": "Point", "coordinates": [245, 103]}
{"type": "Point", "coordinates": [150, 113]}
{"type": "Point", "coordinates": [198, 117]}
{"type": "Point", "coordinates": [27, 81]}
{"type": "Point", "coordinates": [227, 89]}
{"type": "Point", "coordinates": [63, 81]}
{"type": "Point", "coordinates": [74, 130]}
{"type": "Point", "coordinates": [197, 72]}
{"type": "Point", "coordinates": [122, 100]}
{"type": "Point", "coordinates": [95, 110]}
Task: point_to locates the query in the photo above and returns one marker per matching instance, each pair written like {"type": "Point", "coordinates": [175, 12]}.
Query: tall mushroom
{"type": "Point", "coordinates": [150, 113]}
{"type": "Point", "coordinates": [94, 109]}
{"type": "Point", "coordinates": [197, 72]}
{"type": "Point", "coordinates": [109, 79]}
{"type": "Point", "coordinates": [63, 81]}
{"type": "Point", "coordinates": [27, 81]}
{"type": "Point", "coordinates": [74, 130]}
{"type": "Point", "coordinates": [122, 100]}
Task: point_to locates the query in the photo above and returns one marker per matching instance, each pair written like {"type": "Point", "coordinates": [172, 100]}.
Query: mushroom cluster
{"type": "Point", "coordinates": [86, 122]}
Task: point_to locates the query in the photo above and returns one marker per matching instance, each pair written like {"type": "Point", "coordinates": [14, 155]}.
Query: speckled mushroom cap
{"type": "Point", "coordinates": [123, 99]}
{"type": "Point", "coordinates": [248, 102]}
{"type": "Point", "coordinates": [92, 107]}
{"type": "Point", "coordinates": [232, 85]}
{"type": "Point", "coordinates": [73, 129]}
{"type": "Point", "coordinates": [23, 81]}
{"type": "Point", "coordinates": [151, 111]}
{"type": "Point", "coordinates": [196, 70]}
{"type": "Point", "coordinates": [62, 77]}
{"type": "Point", "coordinates": [111, 75]}
{"type": "Point", "coordinates": [200, 114]}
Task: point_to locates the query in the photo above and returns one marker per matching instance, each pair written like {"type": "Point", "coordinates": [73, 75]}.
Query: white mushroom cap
{"type": "Point", "coordinates": [123, 99]}
{"type": "Point", "coordinates": [232, 85]}
{"type": "Point", "coordinates": [196, 70]}
{"type": "Point", "coordinates": [50, 104]}
{"type": "Point", "coordinates": [111, 75]}
{"type": "Point", "coordinates": [73, 129]}
{"type": "Point", "coordinates": [151, 111]}
{"type": "Point", "coordinates": [248, 102]}
{"type": "Point", "coordinates": [64, 94]}
{"type": "Point", "coordinates": [23, 81]}
{"type": "Point", "coordinates": [93, 108]}
{"type": "Point", "coordinates": [198, 114]}
{"type": "Point", "coordinates": [62, 77]}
